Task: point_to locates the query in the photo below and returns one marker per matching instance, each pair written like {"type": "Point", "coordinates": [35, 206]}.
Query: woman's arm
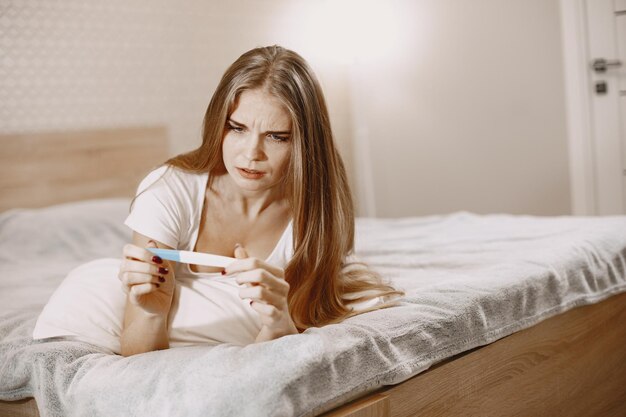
{"type": "Point", "coordinates": [150, 290]}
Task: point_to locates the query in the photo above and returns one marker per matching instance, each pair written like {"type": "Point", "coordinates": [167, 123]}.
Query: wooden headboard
{"type": "Point", "coordinates": [40, 169]}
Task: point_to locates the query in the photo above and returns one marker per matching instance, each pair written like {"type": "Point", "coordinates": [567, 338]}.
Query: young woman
{"type": "Point", "coordinates": [266, 186]}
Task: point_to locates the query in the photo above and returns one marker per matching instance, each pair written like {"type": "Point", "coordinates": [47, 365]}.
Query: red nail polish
{"type": "Point", "coordinates": [157, 285]}
{"type": "Point", "coordinates": [161, 279]}
{"type": "Point", "coordinates": [223, 272]}
{"type": "Point", "coordinates": [163, 270]}
{"type": "Point", "coordinates": [157, 260]}
{"type": "Point", "coordinates": [250, 302]}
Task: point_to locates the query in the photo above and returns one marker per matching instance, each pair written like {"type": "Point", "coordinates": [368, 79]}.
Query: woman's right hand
{"type": "Point", "coordinates": [147, 279]}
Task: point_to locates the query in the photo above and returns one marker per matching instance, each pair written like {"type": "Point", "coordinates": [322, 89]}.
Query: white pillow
{"type": "Point", "coordinates": [77, 231]}
{"type": "Point", "coordinates": [86, 306]}
{"type": "Point", "coordinates": [89, 306]}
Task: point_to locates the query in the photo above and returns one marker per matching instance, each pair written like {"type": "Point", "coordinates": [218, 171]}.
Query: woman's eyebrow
{"type": "Point", "coordinates": [273, 132]}
{"type": "Point", "coordinates": [236, 122]}
{"type": "Point", "coordinates": [279, 132]}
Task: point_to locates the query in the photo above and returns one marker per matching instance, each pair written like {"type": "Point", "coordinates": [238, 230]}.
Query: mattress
{"type": "Point", "coordinates": [469, 280]}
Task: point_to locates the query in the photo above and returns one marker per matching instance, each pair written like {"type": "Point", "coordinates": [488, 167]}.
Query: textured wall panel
{"type": "Point", "coordinates": [67, 65]}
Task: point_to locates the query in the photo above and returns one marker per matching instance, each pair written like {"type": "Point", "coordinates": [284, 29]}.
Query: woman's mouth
{"type": "Point", "coordinates": [250, 174]}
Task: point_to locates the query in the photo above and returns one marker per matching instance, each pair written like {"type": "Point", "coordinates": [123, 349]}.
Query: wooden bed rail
{"type": "Point", "coordinates": [573, 364]}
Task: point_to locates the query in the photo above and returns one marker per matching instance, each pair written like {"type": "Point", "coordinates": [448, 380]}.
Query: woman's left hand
{"type": "Point", "coordinates": [265, 286]}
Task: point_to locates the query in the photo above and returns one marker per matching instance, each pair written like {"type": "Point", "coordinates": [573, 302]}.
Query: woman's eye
{"type": "Point", "coordinates": [279, 138]}
{"type": "Point", "coordinates": [235, 128]}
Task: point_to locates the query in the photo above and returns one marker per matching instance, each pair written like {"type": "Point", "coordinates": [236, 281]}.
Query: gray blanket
{"type": "Point", "coordinates": [470, 280]}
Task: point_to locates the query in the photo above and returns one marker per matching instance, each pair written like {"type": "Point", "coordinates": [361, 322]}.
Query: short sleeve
{"type": "Point", "coordinates": [156, 212]}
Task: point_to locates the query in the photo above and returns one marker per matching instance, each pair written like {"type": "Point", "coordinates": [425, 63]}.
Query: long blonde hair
{"type": "Point", "coordinates": [322, 283]}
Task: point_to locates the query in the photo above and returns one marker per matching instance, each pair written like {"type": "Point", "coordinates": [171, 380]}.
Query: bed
{"type": "Point", "coordinates": [503, 315]}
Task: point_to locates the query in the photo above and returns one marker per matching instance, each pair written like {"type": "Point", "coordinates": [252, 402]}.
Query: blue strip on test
{"type": "Point", "coordinates": [169, 254]}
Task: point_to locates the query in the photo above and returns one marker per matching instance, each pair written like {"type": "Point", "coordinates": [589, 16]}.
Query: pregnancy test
{"type": "Point", "coordinates": [193, 258]}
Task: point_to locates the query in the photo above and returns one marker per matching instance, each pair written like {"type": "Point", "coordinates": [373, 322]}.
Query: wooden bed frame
{"type": "Point", "coordinates": [41, 169]}
{"type": "Point", "coordinates": [573, 364]}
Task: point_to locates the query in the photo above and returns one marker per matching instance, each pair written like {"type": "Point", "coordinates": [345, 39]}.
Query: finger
{"type": "Point", "coordinates": [267, 310]}
{"type": "Point", "coordinates": [138, 253]}
{"type": "Point", "coordinates": [155, 258]}
{"type": "Point", "coordinates": [240, 252]}
{"type": "Point", "coordinates": [136, 278]}
{"type": "Point", "coordinates": [137, 291]}
{"type": "Point", "coordinates": [263, 295]}
{"type": "Point", "coordinates": [248, 264]}
{"type": "Point", "coordinates": [142, 267]}
{"type": "Point", "coordinates": [263, 277]}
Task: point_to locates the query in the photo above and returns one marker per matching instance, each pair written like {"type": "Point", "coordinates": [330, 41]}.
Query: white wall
{"type": "Point", "coordinates": [472, 117]}
{"type": "Point", "coordinates": [461, 102]}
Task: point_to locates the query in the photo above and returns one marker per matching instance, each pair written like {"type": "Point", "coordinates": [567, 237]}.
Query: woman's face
{"type": "Point", "coordinates": [257, 142]}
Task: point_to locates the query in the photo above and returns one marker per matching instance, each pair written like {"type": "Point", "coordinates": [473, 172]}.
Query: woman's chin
{"type": "Point", "coordinates": [251, 184]}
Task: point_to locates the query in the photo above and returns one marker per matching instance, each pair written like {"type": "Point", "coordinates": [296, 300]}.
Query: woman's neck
{"type": "Point", "coordinates": [250, 204]}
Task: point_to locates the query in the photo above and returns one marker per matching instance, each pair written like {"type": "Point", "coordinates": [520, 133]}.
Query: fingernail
{"type": "Point", "coordinates": [157, 285]}
{"type": "Point", "coordinates": [157, 260]}
{"type": "Point", "coordinates": [250, 302]}
{"type": "Point", "coordinates": [163, 270]}
{"type": "Point", "coordinates": [161, 279]}
{"type": "Point", "coordinates": [223, 272]}
{"type": "Point", "coordinates": [237, 245]}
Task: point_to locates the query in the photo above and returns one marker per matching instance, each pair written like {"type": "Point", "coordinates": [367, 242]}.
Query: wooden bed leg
{"type": "Point", "coordinates": [375, 405]}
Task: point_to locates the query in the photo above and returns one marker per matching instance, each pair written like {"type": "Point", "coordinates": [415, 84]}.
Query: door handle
{"type": "Point", "coordinates": [601, 64]}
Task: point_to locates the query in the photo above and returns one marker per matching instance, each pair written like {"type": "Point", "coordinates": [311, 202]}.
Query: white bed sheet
{"type": "Point", "coordinates": [469, 279]}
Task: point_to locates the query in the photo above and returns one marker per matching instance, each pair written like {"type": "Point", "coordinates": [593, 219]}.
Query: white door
{"type": "Point", "coordinates": [607, 41]}
{"type": "Point", "coordinates": [594, 31]}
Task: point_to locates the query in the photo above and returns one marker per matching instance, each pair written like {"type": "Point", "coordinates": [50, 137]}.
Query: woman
{"type": "Point", "coordinates": [266, 186]}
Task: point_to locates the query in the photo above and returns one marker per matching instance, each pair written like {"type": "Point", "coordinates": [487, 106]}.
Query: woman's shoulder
{"type": "Point", "coordinates": [151, 178]}
{"type": "Point", "coordinates": [167, 204]}
{"type": "Point", "coordinates": [174, 178]}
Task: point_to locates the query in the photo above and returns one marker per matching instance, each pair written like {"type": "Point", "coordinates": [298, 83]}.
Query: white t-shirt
{"type": "Point", "coordinates": [206, 306]}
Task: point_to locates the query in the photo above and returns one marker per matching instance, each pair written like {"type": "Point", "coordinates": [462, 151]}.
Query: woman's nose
{"type": "Point", "coordinates": [254, 150]}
